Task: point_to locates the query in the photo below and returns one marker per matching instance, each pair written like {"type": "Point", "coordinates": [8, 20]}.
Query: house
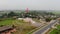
{"type": "Point", "coordinates": [7, 30]}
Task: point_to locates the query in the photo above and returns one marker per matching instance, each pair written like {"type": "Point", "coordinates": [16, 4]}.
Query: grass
{"type": "Point", "coordinates": [35, 19]}
{"type": "Point", "coordinates": [56, 12]}
{"type": "Point", "coordinates": [6, 22]}
{"type": "Point", "coordinates": [56, 31]}
{"type": "Point", "coordinates": [58, 26]}
{"type": "Point", "coordinates": [21, 26]}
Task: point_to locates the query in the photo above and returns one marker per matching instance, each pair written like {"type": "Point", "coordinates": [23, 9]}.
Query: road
{"type": "Point", "coordinates": [45, 28]}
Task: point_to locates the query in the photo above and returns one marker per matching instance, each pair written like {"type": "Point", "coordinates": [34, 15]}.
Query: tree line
{"type": "Point", "coordinates": [32, 14]}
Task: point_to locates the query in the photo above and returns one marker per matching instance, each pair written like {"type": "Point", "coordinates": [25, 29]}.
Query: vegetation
{"type": "Point", "coordinates": [6, 21]}
{"type": "Point", "coordinates": [56, 31]}
{"type": "Point", "coordinates": [21, 26]}
{"type": "Point", "coordinates": [37, 20]}
{"type": "Point", "coordinates": [31, 14]}
{"type": "Point", "coordinates": [48, 19]}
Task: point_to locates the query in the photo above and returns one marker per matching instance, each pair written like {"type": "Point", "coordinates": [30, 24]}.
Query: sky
{"type": "Point", "coordinates": [31, 4]}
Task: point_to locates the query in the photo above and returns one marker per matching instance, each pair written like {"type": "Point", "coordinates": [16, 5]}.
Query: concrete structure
{"type": "Point", "coordinates": [6, 30]}
{"type": "Point", "coordinates": [27, 20]}
{"type": "Point", "coordinates": [20, 18]}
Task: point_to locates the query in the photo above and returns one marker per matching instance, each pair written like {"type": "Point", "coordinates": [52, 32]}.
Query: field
{"type": "Point", "coordinates": [56, 12]}
{"type": "Point", "coordinates": [6, 22]}
{"type": "Point", "coordinates": [56, 31]}
{"type": "Point", "coordinates": [21, 26]}
{"type": "Point", "coordinates": [37, 20]}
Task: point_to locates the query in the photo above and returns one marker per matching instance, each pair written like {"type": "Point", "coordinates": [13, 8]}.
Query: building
{"type": "Point", "coordinates": [27, 10]}
{"type": "Point", "coordinates": [7, 30]}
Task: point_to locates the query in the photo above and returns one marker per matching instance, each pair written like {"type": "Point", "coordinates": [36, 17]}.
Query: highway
{"type": "Point", "coordinates": [46, 27]}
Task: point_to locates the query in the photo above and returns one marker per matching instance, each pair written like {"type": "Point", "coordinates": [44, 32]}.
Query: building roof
{"type": "Point", "coordinates": [5, 28]}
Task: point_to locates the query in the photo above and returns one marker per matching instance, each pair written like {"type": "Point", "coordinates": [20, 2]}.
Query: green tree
{"type": "Point", "coordinates": [48, 19]}
{"type": "Point", "coordinates": [11, 14]}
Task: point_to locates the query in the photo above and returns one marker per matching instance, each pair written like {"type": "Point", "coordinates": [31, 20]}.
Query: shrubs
{"type": "Point", "coordinates": [48, 19]}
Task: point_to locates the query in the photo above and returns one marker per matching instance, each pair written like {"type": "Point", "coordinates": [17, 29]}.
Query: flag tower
{"type": "Point", "coordinates": [27, 10]}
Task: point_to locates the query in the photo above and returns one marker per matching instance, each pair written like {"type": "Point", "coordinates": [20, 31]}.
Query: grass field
{"type": "Point", "coordinates": [21, 26]}
{"type": "Point", "coordinates": [56, 31]}
{"type": "Point", "coordinates": [56, 12]}
{"type": "Point", "coordinates": [6, 22]}
{"type": "Point", "coordinates": [36, 20]}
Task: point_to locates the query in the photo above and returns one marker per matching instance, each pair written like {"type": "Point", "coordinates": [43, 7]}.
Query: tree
{"type": "Point", "coordinates": [11, 14]}
{"type": "Point", "coordinates": [48, 19]}
{"type": "Point", "coordinates": [4, 15]}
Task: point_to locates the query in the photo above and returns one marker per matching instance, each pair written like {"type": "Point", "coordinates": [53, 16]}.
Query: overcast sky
{"type": "Point", "coordinates": [31, 4]}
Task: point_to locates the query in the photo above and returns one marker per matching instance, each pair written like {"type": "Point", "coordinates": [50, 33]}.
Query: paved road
{"type": "Point", "coordinates": [45, 28]}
